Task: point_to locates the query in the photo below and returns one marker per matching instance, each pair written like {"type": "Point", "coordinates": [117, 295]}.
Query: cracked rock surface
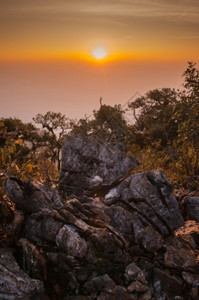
{"type": "Point", "coordinates": [89, 164]}
{"type": "Point", "coordinates": [128, 243]}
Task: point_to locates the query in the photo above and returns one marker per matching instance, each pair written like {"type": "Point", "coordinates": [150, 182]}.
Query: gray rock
{"type": "Point", "coordinates": [14, 283]}
{"type": "Point", "coordinates": [118, 247]}
{"type": "Point", "coordinates": [98, 284]}
{"type": "Point", "coordinates": [150, 239]}
{"type": "Point", "coordinates": [180, 255]}
{"type": "Point", "coordinates": [89, 164]}
{"type": "Point", "coordinates": [117, 293]}
{"type": "Point", "coordinates": [166, 284]}
{"type": "Point", "coordinates": [32, 196]}
{"type": "Point", "coordinates": [154, 208]}
{"type": "Point", "coordinates": [191, 208]}
{"type": "Point", "coordinates": [192, 279]}
{"type": "Point", "coordinates": [70, 241]}
{"type": "Point", "coordinates": [135, 279]}
{"type": "Point", "coordinates": [133, 272]}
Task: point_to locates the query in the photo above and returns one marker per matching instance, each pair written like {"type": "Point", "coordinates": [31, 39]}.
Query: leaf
{"type": "Point", "coordinates": [16, 168]}
{"type": "Point", "coordinates": [2, 124]}
{"type": "Point", "coordinates": [11, 149]}
{"type": "Point", "coordinates": [29, 167]}
{"type": "Point", "coordinates": [19, 141]}
{"type": "Point", "coordinates": [3, 156]}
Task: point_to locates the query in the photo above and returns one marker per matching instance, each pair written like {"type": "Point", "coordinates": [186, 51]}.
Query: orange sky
{"type": "Point", "coordinates": [46, 47]}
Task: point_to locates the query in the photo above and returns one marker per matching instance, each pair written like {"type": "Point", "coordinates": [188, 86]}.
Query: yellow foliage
{"type": "Point", "coordinates": [2, 156]}
{"type": "Point", "coordinates": [29, 167]}
{"type": "Point", "coordinates": [19, 141]}
{"type": "Point", "coordinates": [11, 149]}
{"type": "Point", "coordinates": [16, 168]}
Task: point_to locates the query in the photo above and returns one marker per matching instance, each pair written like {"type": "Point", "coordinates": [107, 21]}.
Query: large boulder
{"type": "Point", "coordinates": [89, 164]}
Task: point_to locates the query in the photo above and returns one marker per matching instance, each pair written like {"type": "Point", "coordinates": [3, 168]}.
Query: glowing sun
{"type": "Point", "coordinates": [99, 53]}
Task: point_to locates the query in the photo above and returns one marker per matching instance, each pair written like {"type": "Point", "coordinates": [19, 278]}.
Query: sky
{"type": "Point", "coordinates": [47, 61]}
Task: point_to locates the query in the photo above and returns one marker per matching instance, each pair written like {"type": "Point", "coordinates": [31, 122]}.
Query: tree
{"type": "Point", "coordinates": [188, 124]}
{"type": "Point", "coordinates": [15, 157]}
{"type": "Point", "coordinates": [19, 142]}
{"type": "Point", "coordinates": [81, 126]}
{"type": "Point", "coordinates": [191, 76]}
{"type": "Point", "coordinates": [108, 124]}
{"type": "Point", "coordinates": [167, 130]}
{"type": "Point", "coordinates": [57, 126]}
{"type": "Point", "coordinates": [154, 116]}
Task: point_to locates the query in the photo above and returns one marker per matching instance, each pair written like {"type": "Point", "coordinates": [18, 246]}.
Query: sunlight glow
{"type": "Point", "coordinates": [99, 53]}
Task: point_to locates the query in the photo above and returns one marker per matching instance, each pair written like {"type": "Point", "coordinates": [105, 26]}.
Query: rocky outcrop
{"type": "Point", "coordinates": [88, 165]}
{"type": "Point", "coordinates": [93, 245]}
{"type": "Point", "coordinates": [152, 205]}
{"type": "Point", "coordinates": [126, 242]}
{"type": "Point", "coordinates": [15, 283]}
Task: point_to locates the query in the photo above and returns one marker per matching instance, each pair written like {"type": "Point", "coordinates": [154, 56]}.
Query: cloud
{"type": "Point", "coordinates": [115, 8]}
{"type": "Point", "coordinates": [78, 22]}
{"type": "Point", "coordinates": [114, 12]}
{"type": "Point", "coordinates": [171, 10]}
{"type": "Point", "coordinates": [111, 12]}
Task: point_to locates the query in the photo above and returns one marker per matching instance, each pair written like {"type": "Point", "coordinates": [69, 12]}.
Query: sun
{"type": "Point", "coordinates": [99, 53]}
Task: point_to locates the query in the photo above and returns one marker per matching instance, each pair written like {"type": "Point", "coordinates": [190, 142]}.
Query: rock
{"type": "Point", "coordinates": [190, 233]}
{"type": "Point", "coordinates": [90, 246]}
{"type": "Point", "coordinates": [117, 293]}
{"type": "Point", "coordinates": [179, 255]}
{"type": "Point", "coordinates": [191, 208]}
{"type": "Point", "coordinates": [150, 239]}
{"type": "Point", "coordinates": [14, 283]}
{"type": "Point", "coordinates": [32, 196]}
{"type": "Point", "coordinates": [194, 294]}
{"type": "Point", "coordinates": [98, 284]}
{"type": "Point", "coordinates": [146, 296]}
{"type": "Point", "coordinates": [78, 298]}
{"type": "Point", "coordinates": [133, 272]}
{"type": "Point", "coordinates": [192, 279]}
{"type": "Point", "coordinates": [135, 279]}
{"type": "Point", "coordinates": [70, 241]}
{"type": "Point", "coordinates": [137, 286]}
{"type": "Point", "coordinates": [89, 165]}
{"type": "Point", "coordinates": [166, 284]}
{"type": "Point", "coordinates": [154, 208]}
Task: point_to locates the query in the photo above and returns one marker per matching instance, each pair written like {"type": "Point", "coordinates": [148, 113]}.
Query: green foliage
{"type": "Point", "coordinates": [167, 130]}
{"type": "Point", "coordinates": [191, 84]}
{"type": "Point", "coordinates": [154, 116]}
{"type": "Point", "coordinates": [9, 150]}
{"type": "Point", "coordinates": [108, 124]}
